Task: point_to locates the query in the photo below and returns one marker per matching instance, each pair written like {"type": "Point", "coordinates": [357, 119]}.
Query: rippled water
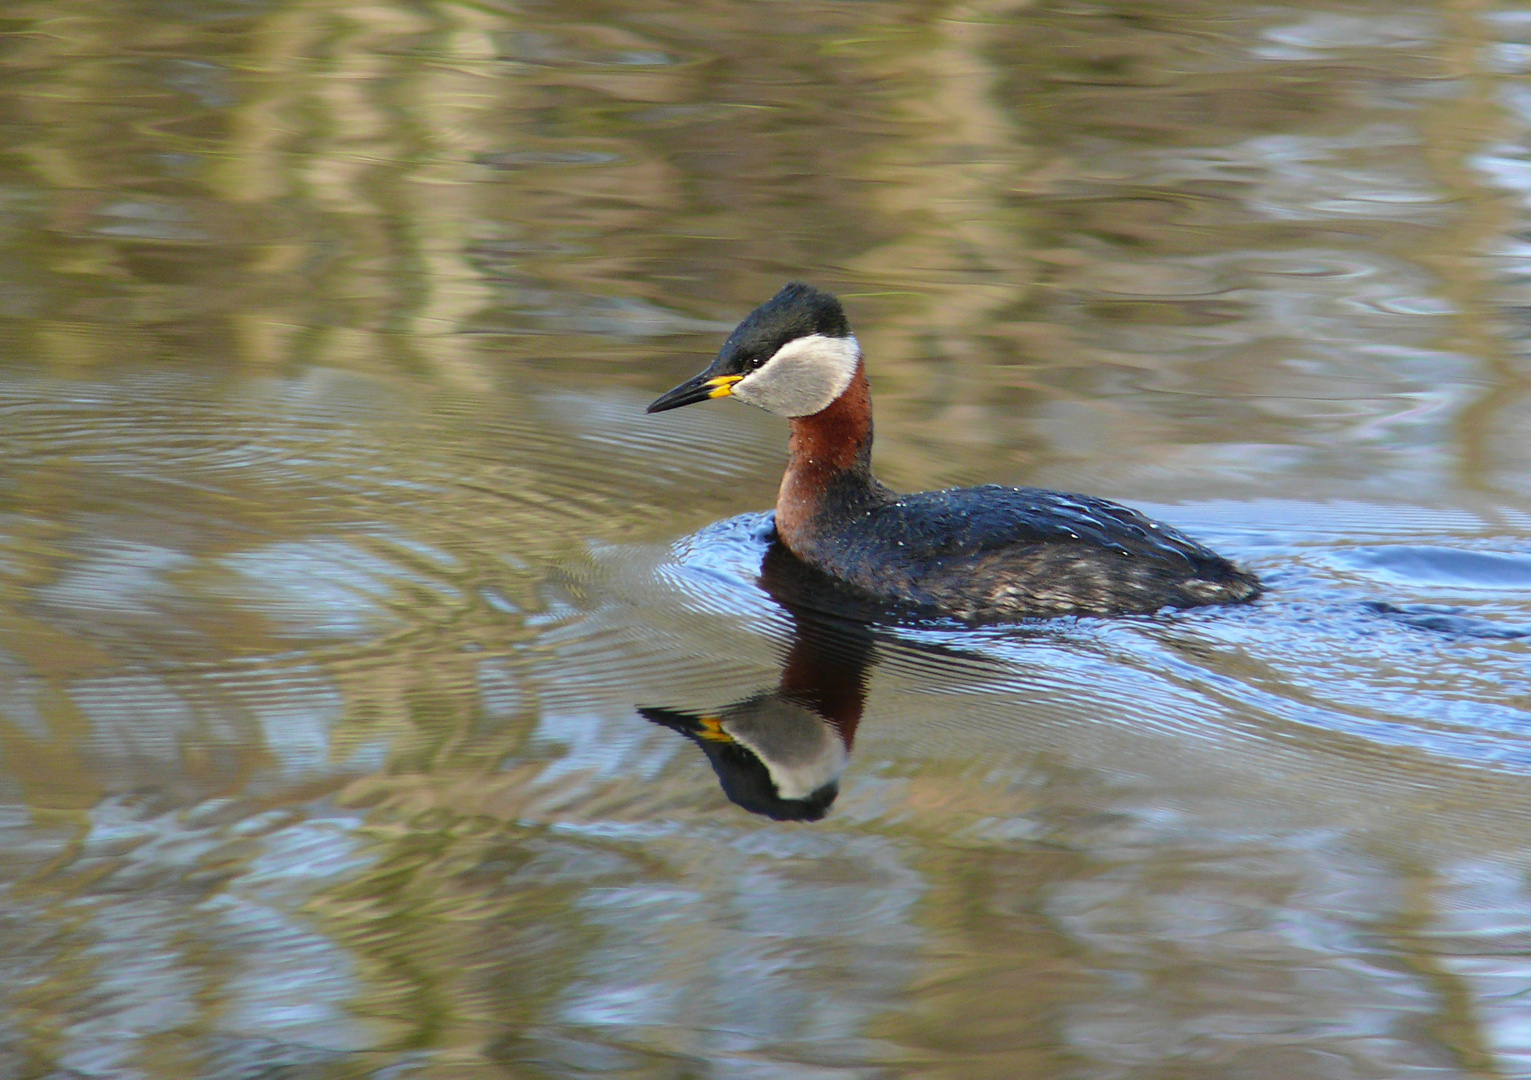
{"type": "Point", "coordinates": [365, 650]}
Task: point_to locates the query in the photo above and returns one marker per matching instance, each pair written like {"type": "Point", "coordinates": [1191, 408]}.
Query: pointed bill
{"type": "Point", "coordinates": [698, 388]}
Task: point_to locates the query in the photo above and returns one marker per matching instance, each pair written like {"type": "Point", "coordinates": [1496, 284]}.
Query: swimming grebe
{"type": "Point", "coordinates": [981, 554]}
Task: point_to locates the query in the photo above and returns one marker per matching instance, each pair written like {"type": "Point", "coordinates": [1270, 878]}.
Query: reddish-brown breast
{"type": "Point", "coordinates": [823, 447]}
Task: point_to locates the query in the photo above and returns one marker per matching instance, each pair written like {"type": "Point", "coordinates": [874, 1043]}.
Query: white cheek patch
{"type": "Point", "coordinates": [804, 377]}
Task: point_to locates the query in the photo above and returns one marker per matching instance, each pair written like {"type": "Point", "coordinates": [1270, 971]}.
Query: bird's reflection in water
{"type": "Point", "coordinates": [781, 752]}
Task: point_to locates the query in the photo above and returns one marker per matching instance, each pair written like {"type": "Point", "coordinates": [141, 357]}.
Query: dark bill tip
{"type": "Point", "coordinates": [697, 388]}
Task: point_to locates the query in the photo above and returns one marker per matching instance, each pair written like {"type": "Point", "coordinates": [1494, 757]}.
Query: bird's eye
{"type": "Point", "coordinates": [754, 363]}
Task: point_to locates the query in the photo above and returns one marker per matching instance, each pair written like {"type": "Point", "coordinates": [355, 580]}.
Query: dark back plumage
{"type": "Point", "coordinates": [995, 553]}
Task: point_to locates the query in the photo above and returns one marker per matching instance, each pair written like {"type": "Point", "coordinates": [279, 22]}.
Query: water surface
{"type": "Point", "coordinates": [359, 634]}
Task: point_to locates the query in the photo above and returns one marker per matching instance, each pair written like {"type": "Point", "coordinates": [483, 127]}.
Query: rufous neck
{"type": "Point", "coordinates": [837, 438]}
{"type": "Point", "coordinates": [825, 450]}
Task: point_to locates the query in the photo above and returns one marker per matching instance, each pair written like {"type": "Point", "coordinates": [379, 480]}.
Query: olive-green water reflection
{"type": "Point", "coordinates": [337, 556]}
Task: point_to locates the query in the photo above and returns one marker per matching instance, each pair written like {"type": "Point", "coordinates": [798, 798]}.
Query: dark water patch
{"type": "Point", "coordinates": [1452, 622]}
